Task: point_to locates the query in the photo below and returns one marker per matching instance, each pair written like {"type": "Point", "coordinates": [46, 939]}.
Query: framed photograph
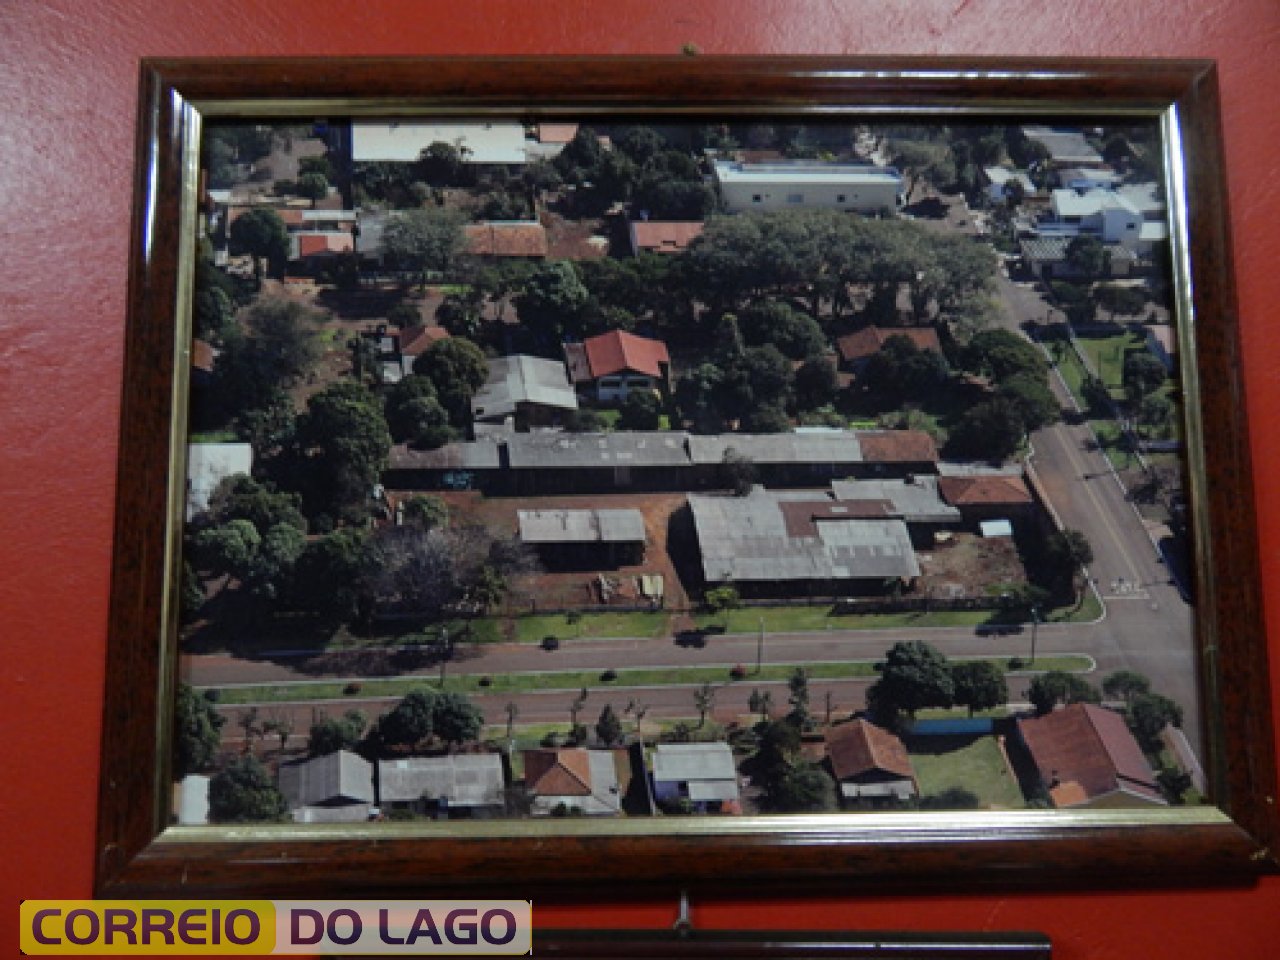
{"type": "Point", "coordinates": [659, 470]}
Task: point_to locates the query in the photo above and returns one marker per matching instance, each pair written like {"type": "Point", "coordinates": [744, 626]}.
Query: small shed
{"type": "Point", "coordinates": [584, 539]}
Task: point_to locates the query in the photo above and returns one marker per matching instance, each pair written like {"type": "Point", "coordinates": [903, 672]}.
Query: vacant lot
{"type": "Point", "coordinates": [973, 763]}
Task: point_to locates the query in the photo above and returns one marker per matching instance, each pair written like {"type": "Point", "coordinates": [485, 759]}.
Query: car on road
{"type": "Point", "coordinates": [998, 629]}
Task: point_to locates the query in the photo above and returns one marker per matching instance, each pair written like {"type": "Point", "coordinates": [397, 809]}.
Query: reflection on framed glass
{"type": "Point", "coordinates": [828, 468]}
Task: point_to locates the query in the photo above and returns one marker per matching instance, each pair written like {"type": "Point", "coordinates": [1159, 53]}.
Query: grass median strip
{"type": "Point", "coordinates": [571, 680]}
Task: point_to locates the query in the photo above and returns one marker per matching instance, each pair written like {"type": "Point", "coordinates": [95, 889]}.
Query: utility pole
{"type": "Point", "coordinates": [1035, 623]}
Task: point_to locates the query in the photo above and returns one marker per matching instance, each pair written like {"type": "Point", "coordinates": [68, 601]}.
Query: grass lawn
{"type": "Point", "coordinates": [533, 629]}
{"type": "Point", "coordinates": [971, 763]}
{"type": "Point", "coordinates": [1107, 354]}
{"type": "Point", "coordinates": [570, 680]}
{"type": "Point", "coordinates": [819, 618]}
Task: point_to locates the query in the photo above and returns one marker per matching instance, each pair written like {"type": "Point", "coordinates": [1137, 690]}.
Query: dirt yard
{"type": "Point", "coordinates": [968, 565]}
{"type": "Point", "coordinates": [580, 589]}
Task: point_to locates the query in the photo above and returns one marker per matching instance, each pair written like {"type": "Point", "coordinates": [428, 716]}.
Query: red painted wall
{"type": "Point", "coordinates": [68, 78]}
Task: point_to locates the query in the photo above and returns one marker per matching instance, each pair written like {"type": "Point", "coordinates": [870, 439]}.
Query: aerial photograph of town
{"type": "Point", "coordinates": [703, 469]}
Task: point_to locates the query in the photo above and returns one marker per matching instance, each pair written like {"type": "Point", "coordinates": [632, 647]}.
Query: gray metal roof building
{"type": "Point", "coordinates": [463, 780]}
{"type": "Point", "coordinates": [522, 379]}
{"type": "Point", "coordinates": [339, 777]}
{"type": "Point", "coordinates": [836, 446]}
{"type": "Point", "coordinates": [706, 770]}
{"type": "Point", "coordinates": [915, 499]}
{"type": "Point", "coordinates": [752, 539]}
{"type": "Point", "coordinates": [581, 526]}
{"type": "Point", "coordinates": [570, 451]}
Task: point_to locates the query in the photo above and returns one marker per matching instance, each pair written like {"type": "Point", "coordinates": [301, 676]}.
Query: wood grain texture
{"type": "Point", "coordinates": [1014, 851]}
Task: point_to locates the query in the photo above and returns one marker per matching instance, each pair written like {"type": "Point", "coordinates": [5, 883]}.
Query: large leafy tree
{"type": "Point", "coordinates": [553, 304]}
{"type": "Point", "coordinates": [1058, 687]}
{"type": "Point", "coordinates": [1001, 354]}
{"type": "Point", "coordinates": [262, 234]}
{"type": "Point", "coordinates": [426, 240]}
{"type": "Point", "coordinates": [329, 572]}
{"type": "Point", "coordinates": [244, 792]}
{"type": "Point", "coordinates": [344, 435]}
{"type": "Point", "coordinates": [979, 685]}
{"type": "Point", "coordinates": [196, 726]}
{"type": "Point", "coordinates": [913, 675]}
{"type": "Point", "coordinates": [1143, 375]}
{"type": "Point", "coordinates": [1030, 395]}
{"type": "Point", "coordinates": [336, 733]}
{"type": "Point", "coordinates": [1066, 553]}
{"type": "Point", "coordinates": [988, 431]}
{"type": "Point", "coordinates": [275, 347]}
{"type": "Point", "coordinates": [1148, 714]}
{"type": "Point", "coordinates": [240, 497]}
{"type": "Point", "coordinates": [456, 368]}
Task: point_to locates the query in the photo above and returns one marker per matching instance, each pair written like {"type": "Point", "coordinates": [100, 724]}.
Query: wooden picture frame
{"type": "Point", "coordinates": [140, 852]}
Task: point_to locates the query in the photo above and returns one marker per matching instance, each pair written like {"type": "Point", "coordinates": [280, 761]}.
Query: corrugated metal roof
{"type": "Point", "coordinates": [915, 500]}
{"type": "Point", "coordinates": [523, 379]}
{"type": "Point", "coordinates": [337, 776]}
{"type": "Point", "coordinates": [581, 526]}
{"type": "Point", "coordinates": [465, 780]}
{"type": "Point", "coordinates": [746, 539]}
{"type": "Point", "coordinates": [569, 451]}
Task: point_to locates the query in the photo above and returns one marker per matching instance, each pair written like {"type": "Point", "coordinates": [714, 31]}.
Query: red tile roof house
{"type": "Point", "coordinates": [988, 497]}
{"type": "Point", "coordinates": [860, 346]}
{"type": "Point", "coordinates": [1086, 757]}
{"type": "Point", "coordinates": [572, 778]}
{"type": "Point", "coordinates": [870, 763]}
{"type": "Point", "coordinates": [663, 236]}
{"type": "Point", "coordinates": [613, 364]}
{"type": "Point", "coordinates": [507, 239]}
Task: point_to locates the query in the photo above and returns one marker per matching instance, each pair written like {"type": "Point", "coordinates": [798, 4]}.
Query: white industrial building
{"type": "Point", "coordinates": [800, 184]}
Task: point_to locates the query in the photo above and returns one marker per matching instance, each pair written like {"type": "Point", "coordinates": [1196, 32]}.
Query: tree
{"type": "Point", "coordinates": [1066, 552]}
{"type": "Point", "coordinates": [1125, 685]}
{"type": "Point", "coordinates": [816, 384]}
{"type": "Point", "coordinates": [328, 574]}
{"type": "Point", "coordinates": [244, 792]}
{"type": "Point", "coordinates": [704, 698]}
{"type": "Point", "coordinates": [988, 431]}
{"type": "Point", "coordinates": [456, 368]}
{"type": "Point", "coordinates": [609, 727]}
{"type": "Point", "coordinates": [804, 787]}
{"type": "Point", "coordinates": [1050, 689]}
{"type": "Point", "coordinates": [552, 304]}
{"type": "Point", "coordinates": [410, 721]}
{"type": "Point", "coordinates": [642, 410]}
{"type": "Point", "coordinates": [261, 234]}
{"type": "Point", "coordinates": [979, 685]}
{"type": "Point", "coordinates": [228, 549]}
{"type": "Point", "coordinates": [1155, 411]}
{"type": "Point", "coordinates": [1174, 783]}
{"type": "Point", "coordinates": [1031, 397]}
{"type": "Point", "coordinates": [1148, 714]}
{"type": "Point", "coordinates": [427, 241]}
{"type": "Point", "coordinates": [1097, 396]}
{"type": "Point", "coordinates": [1001, 354]}
{"type": "Point", "coordinates": [738, 472]}
{"type": "Point", "coordinates": [336, 733]}
{"type": "Point", "coordinates": [720, 600]}
{"type": "Point", "coordinates": [1119, 300]}
{"type": "Point", "coordinates": [455, 719]}
{"type": "Point", "coordinates": [798, 698]}
{"type": "Point", "coordinates": [768, 418]}
{"type": "Point", "coordinates": [345, 437]}
{"type": "Point", "coordinates": [196, 736]}
{"type": "Point", "coordinates": [796, 335]}
{"type": "Point", "coordinates": [426, 424]}
{"type": "Point", "coordinates": [424, 511]}
{"type": "Point", "coordinates": [441, 164]}
{"type": "Point", "coordinates": [913, 675]}
{"type": "Point", "coordinates": [1089, 257]}
{"type": "Point", "coordinates": [1143, 375]}
{"type": "Point", "coordinates": [276, 348]}
{"type": "Point", "coordinates": [575, 707]}
{"type": "Point", "coordinates": [312, 186]}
